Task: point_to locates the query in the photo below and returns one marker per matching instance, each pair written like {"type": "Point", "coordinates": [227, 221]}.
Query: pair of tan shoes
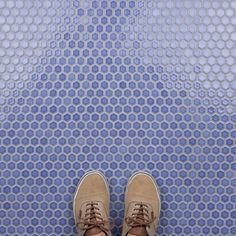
{"type": "Point", "coordinates": [142, 205]}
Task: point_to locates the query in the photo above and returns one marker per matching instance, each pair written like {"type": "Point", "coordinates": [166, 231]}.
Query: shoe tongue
{"type": "Point", "coordinates": [93, 231]}
{"type": "Point", "coordinates": [139, 231]}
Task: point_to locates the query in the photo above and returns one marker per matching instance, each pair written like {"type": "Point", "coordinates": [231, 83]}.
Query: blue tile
{"type": "Point", "coordinates": [117, 87]}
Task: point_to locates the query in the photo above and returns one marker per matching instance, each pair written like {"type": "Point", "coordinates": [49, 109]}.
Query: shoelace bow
{"type": "Point", "coordinates": [92, 218]}
{"type": "Point", "coordinates": [140, 216]}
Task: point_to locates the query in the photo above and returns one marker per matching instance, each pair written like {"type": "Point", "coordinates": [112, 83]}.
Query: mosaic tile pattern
{"type": "Point", "coordinates": [117, 86]}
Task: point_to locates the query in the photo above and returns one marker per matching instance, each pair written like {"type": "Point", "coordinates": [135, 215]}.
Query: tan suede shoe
{"type": "Point", "coordinates": [142, 205]}
{"type": "Point", "coordinates": [91, 205]}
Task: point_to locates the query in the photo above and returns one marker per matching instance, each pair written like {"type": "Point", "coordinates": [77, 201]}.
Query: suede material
{"type": "Point", "coordinates": [142, 188]}
{"type": "Point", "coordinates": [138, 231]}
{"type": "Point", "coordinates": [92, 188]}
{"type": "Point", "coordinates": [95, 231]}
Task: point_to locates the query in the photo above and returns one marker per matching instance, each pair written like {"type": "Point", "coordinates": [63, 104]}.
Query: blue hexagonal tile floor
{"type": "Point", "coordinates": [118, 86]}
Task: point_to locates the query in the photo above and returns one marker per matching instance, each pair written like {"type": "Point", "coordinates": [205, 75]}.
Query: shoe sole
{"type": "Point", "coordinates": [81, 181]}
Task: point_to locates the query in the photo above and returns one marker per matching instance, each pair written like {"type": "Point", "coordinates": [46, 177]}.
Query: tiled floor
{"type": "Point", "coordinates": [118, 86]}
